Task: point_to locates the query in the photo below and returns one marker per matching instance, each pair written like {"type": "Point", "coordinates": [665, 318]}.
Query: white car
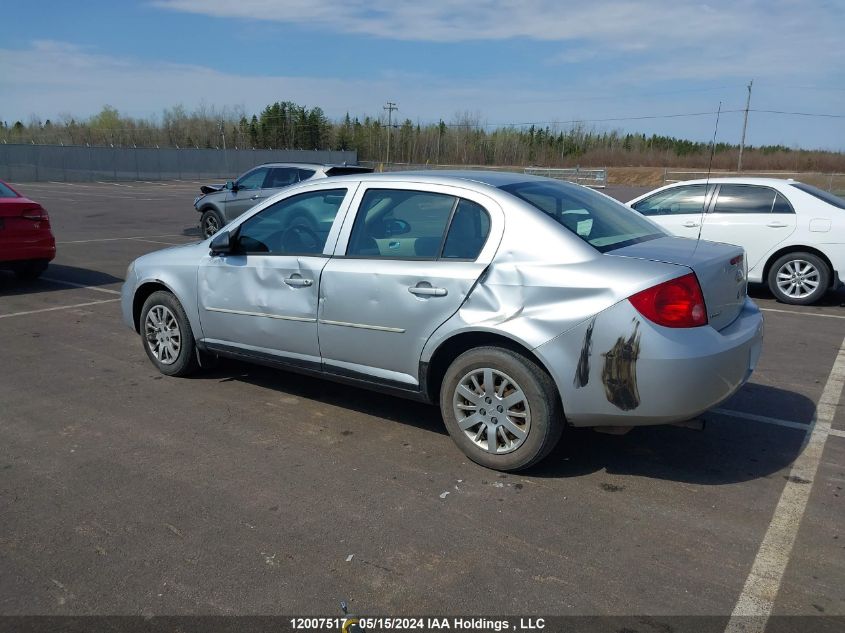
{"type": "Point", "coordinates": [793, 233]}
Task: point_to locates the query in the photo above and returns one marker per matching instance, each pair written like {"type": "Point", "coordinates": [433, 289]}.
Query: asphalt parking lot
{"type": "Point", "coordinates": [246, 490]}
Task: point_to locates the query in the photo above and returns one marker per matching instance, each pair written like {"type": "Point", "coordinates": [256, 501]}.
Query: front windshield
{"type": "Point", "coordinates": [598, 220]}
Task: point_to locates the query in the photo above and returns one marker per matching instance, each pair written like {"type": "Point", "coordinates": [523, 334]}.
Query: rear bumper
{"type": "Point", "coordinates": [641, 373]}
{"type": "Point", "coordinates": [40, 248]}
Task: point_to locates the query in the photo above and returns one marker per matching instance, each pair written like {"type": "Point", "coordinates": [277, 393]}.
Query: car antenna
{"type": "Point", "coordinates": [707, 180]}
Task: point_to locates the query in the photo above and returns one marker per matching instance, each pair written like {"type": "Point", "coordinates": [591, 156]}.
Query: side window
{"type": "Point", "coordinates": [675, 201]}
{"type": "Point", "coordinates": [400, 224]}
{"type": "Point", "coordinates": [253, 179]}
{"type": "Point", "coordinates": [744, 199]}
{"type": "Point", "coordinates": [782, 205]}
{"type": "Point", "coordinates": [281, 177]}
{"type": "Point", "coordinates": [305, 174]}
{"type": "Point", "coordinates": [298, 225]}
{"type": "Point", "coordinates": [468, 231]}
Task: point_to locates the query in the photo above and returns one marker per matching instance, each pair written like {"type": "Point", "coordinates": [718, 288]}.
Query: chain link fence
{"type": "Point", "coordinates": [74, 163]}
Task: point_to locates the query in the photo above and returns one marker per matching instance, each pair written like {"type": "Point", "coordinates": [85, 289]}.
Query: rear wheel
{"type": "Point", "coordinates": [501, 409]}
{"type": "Point", "coordinates": [799, 278]}
{"type": "Point", "coordinates": [210, 222]}
{"type": "Point", "coordinates": [30, 269]}
{"type": "Point", "coordinates": [166, 334]}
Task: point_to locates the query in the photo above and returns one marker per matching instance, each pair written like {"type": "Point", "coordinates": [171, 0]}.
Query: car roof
{"type": "Point", "coordinates": [738, 180]}
{"type": "Point", "coordinates": [297, 164]}
{"type": "Point", "coordinates": [496, 179]}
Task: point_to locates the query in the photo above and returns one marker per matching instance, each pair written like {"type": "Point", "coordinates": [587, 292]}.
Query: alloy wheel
{"type": "Point", "coordinates": [798, 278]}
{"type": "Point", "coordinates": [164, 338]}
{"type": "Point", "coordinates": [492, 410]}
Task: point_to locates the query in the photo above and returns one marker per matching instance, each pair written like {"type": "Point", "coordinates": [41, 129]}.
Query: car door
{"type": "Point", "coordinates": [246, 193]}
{"type": "Point", "coordinates": [678, 209]}
{"type": "Point", "coordinates": [403, 266]}
{"type": "Point", "coordinates": [755, 217]}
{"type": "Point", "coordinates": [262, 299]}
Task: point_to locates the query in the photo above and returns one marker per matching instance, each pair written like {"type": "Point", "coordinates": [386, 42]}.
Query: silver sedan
{"type": "Point", "coordinates": [518, 304]}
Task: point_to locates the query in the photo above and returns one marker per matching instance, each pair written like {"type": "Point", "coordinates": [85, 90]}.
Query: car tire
{"type": "Point", "coordinates": [492, 392]}
{"type": "Point", "coordinates": [30, 269]}
{"type": "Point", "coordinates": [166, 335]}
{"type": "Point", "coordinates": [210, 222]}
{"type": "Point", "coordinates": [799, 278]}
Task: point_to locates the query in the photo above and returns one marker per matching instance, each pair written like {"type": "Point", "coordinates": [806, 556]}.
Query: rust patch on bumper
{"type": "Point", "coordinates": [582, 372]}
{"type": "Point", "coordinates": [620, 371]}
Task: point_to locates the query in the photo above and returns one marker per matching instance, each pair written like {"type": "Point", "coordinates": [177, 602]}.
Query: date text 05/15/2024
{"type": "Point", "coordinates": [375, 624]}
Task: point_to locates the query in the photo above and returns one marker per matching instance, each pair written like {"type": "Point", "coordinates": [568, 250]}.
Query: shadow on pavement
{"type": "Point", "coordinates": [834, 298]}
{"type": "Point", "coordinates": [11, 285]}
{"type": "Point", "coordinates": [729, 450]}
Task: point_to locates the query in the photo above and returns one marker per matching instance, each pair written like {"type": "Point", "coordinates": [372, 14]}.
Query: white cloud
{"type": "Point", "coordinates": [51, 78]}
{"type": "Point", "coordinates": [727, 37]}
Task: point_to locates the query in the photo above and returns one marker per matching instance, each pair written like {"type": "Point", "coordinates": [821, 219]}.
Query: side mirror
{"type": "Point", "coordinates": [223, 243]}
{"type": "Point", "coordinates": [232, 186]}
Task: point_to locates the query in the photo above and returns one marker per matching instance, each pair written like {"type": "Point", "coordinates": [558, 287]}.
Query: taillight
{"type": "Point", "coordinates": [36, 214]}
{"type": "Point", "coordinates": [675, 303]}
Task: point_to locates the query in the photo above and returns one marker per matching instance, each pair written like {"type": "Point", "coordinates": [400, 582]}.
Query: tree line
{"type": "Point", "coordinates": [463, 140]}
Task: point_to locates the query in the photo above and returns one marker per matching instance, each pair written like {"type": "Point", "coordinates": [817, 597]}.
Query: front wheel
{"type": "Point", "coordinates": [166, 334]}
{"type": "Point", "coordinates": [501, 409]}
{"type": "Point", "coordinates": [210, 222]}
{"type": "Point", "coordinates": [799, 278]}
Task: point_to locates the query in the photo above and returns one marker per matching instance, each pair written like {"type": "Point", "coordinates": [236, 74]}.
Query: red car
{"type": "Point", "coordinates": [26, 242]}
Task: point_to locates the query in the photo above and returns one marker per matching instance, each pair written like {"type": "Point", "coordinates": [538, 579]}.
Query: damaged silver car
{"type": "Point", "coordinates": [518, 304]}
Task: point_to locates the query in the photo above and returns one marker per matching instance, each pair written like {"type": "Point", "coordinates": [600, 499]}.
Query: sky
{"type": "Point", "coordinates": [647, 66]}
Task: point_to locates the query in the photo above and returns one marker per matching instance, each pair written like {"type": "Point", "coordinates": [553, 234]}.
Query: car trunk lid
{"type": "Point", "coordinates": [720, 268]}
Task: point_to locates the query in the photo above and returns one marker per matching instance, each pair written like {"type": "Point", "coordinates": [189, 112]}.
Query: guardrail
{"type": "Point", "coordinates": [596, 178]}
{"type": "Point", "coordinates": [835, 183]}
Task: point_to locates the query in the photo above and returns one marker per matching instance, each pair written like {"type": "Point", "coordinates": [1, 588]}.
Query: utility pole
{"type": "Point", "coordinates": [744, 126]}
{"type": "Point", "coordinates": [390, 107]}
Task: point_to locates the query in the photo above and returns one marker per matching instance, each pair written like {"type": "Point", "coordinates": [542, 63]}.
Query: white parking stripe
{"type": "Point", "coordinates": [75, 285]}
{"type": "Point", "coordinates": [115, 239]}
{"type": "Point", "coordinates": [761, 418]}
{"type": "Point", "coordinates": [141, 239]}
{"type": "Point", "coordinates": [76, 305]}
{"type": "Point", "coordinates": [755, 603]}
{"type": "Point", "coordinates": [837, 432]}
{"type": "Point", "coordinates": [795, 312]}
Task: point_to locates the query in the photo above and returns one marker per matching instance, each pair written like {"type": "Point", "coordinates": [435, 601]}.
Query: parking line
{"type": "Point", "coordinates": [115, 239]}
{"type": "Point", "coordinates": [76, 305]}
{"type": "Point", "coordinates": [795, 312]}
{"type": "Point", "coordinates": [761, 418]}
{"type": "Point", "coordinates": [757, 599]}
{"type": "Point", "coordinates": [141, 239]}
{"type": "Point", "coordinates": [75, 285]}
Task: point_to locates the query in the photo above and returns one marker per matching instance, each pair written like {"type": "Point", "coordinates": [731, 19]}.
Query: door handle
{"type": "Point", "coordinates": [427, 291]}
{"type": "Point", "coordinates": [691, 224]}
{"type": "Point", "coordinates": [777, 225]}
{"type": "Point", "coordinates": [255, 197]}
{"type": "Point", "coordinates": [298, 282]}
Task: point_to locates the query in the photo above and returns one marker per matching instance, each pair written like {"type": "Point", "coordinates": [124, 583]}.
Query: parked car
{"type": "Point", "coordinates": [793, 233]}
{"type": "Point", "coordinates": [518, 303]}
{"type": "Point", "coordinates": [27, 244]}
{"type": "Point", "coordinates": [220, 204]}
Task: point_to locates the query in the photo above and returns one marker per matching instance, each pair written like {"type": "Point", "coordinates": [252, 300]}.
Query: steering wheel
{"type": "Point", "coordinates": [301, 238]}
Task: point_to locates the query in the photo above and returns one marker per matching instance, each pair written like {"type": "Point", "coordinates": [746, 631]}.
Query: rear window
{"type": "Point", "coordinates": [598, 220]}
{"type": "Point", "coordinates": [6, 192]}
{"type": "Point", "coordinates": [821, 194]}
